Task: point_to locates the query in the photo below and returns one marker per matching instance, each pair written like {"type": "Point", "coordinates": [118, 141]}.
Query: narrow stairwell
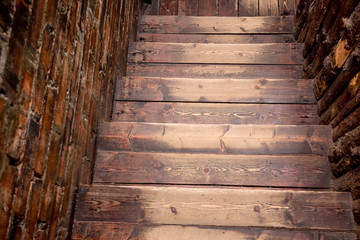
{"type": "Point", "coordinates": [214, 136]}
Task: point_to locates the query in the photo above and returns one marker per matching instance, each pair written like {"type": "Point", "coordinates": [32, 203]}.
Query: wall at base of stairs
{"type": "Point", "coordinates": [58, 65]}
{"type": "Point", "coordinates": [331, 33]}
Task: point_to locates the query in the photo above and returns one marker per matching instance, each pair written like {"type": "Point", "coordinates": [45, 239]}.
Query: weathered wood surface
{"type": "Point", "coordinates": [168, 7]}
{"type": "Point", "coordinates": [219, 25]}
{"type": "Point", "coordinates": [268, 7]}
{"type": "Point", "coordinates": [208, 8]}
{"type": "Point", "coordinates": [215, 113]}
{"type": "Point", "coordinates": [228, 8]}
{"type": "Point", "coordinates": [242, 170]}
{"type": "Point", "coordinates": [287, 7]}
{"type": "Point", "coordinates": [224, 39]}
{"type": "Point", "coordinates": [223, 7]}
{"type": "Point", "coordinates": [113, 231]}
{"type": "Point", "coordinates": [188, 7]}
{"type": "Point", "coordinates": [215, 71]}
{"type": "Point", "coordinates": [214, 138]}
{"type": "Point", "coordinates": [216, 90]}
{"type": "Point", "coordinates": [217, 207]}
{"type": "Point", "coordinates": [248, 8]}
{"type": "Point", "coordinates": [266, 53]}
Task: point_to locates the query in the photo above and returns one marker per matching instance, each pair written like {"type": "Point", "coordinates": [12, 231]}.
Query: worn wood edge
{"type": "Point", "coordinates": [86, 228]}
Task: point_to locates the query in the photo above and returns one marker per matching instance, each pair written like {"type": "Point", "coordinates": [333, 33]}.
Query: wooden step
{"type": "Point", "coordinates": [214, 138]}
{"type": "Point", "coordinates": [210, 206]}
{"type": "Point", "coordinates": [215, 113]}
{"type": "Point", "coordinates": [214, 71]}
{"type": "Point", "coordinates": [206, 38]}
{"type": "Point", "coordinates": [307, 171]}
{"type": "Point", "coordinates": [115, 231]}
{"type": "Point", "coordinates": [266, 53]}
{"type": "Point", "coordinates": [215, 90]}
{"type": "Point", "coordinates": [216, 25]}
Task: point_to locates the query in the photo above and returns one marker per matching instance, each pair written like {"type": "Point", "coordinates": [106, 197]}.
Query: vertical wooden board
{"type": "Point", "coordinates": [188, 8]}
{"type": "Point", "coordinates": [154, 8]}
{"type": "Point", "coordinates": [208, 8]}
{"type": "Point", "coordinates": [286, 7]}
{"type": "Point", "coordinates": [228, 8]}
{"type": "Point", "coordinates": [268, 7]}
{"type": "Point", "coordinates": [248, 8]}
{"type": "Point", "coordinates": [168, 7]}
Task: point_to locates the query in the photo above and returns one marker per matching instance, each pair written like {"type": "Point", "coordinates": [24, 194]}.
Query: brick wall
{"type": "Point", "coordinates": [331, 33]}
{"type": "Point", "coordinates": [58, 65]}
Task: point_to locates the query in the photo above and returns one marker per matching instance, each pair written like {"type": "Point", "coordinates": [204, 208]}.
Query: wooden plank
{"type": "Point", "coordinates": [154, 8]}
{"type": "Point", "coordinates": [214, 138]}
{"type": "Point", "coordinates": [248, 8]}
{"type": "Point", "coordinates": [217, 207]}
{"type": "Point", "coordinates": [112, 231]}
{"type": "Point", "coordinates": [210, 113]}
{"type": "Point", "coordinates": [266, 53]}
{"type": "Point", "coordinates": [287, 7]}
{"type": "Point", "coordinates": [168, 7]}
{"type": "Point", "coordinates": [215, 71]}
{"type": "Point", "coordinates": [188, 7]}
{"type": "Point", "coordinates": [228, 8]}
{"type": "Point", "coordinates": [225, 39]}
{"type": "Point", "coordinates": [269, 8]}
{"type": "Point", "coordinates": [215, 169]}
{"type": "Point", "coordinates": [208, 8]}
{"type": "Point", "coordinates": [216, 25]}
{"type": "Point", "coordinates": [215, 90]}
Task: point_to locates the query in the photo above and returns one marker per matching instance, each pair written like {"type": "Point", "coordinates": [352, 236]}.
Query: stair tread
{"type": "Point", "coordinates": [304, 171]}
{"type": "Point", "coordinates": [214, 138]}
{"type": "Point", "coordinates": [216, 25]}
{"type": "Point", "coordinates": [258, 90]}
{"type": "Point", "coordinates": [265, 53]}
{"type": "Point", "coordinates": [206, 38]}
{"type": "Point", "coordinates": [215, 71]}
{"type": "Point", "coordinates": [112, 231]}
{"type": "Point", "coordinates": [210, 206]}
{"type": "Point", "coordinates": [215, 113]}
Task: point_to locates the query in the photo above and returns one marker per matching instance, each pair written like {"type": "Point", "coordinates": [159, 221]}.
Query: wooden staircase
{"type": "Point", "coordinates": [214, 136]}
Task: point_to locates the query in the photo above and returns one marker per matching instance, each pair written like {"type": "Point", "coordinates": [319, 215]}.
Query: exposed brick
{"type": "Point", "coordinates": [55, 212]}
{"type": "Point", "coordinates": [44, 132]}
{"type": "Point", "coordinates": [7, 186]}
{"type": "Point", "coordinates": [32, 212]}
{"type": "Point", "coordinates": [50, 177]}
{"type": "Point", "coordinates": [17, 140]}
{"type": "Point", "coordinates": [60, 60]}
{"type": "Point", "coordinates": [26, 174]}
{"type": "Point", "coordinates": [36, 22]}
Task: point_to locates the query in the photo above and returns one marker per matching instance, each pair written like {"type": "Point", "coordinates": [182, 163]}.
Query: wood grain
{"type": "Point", "coordinates": [215, 71]}
{"type": "Point", "coordinates": [268, 7]}
{"type": "Point", "coordinates": [270, 53]}
{"type": "Point", "coordinates": [214, 138]}
{"type": "Point", "coordinates": [168, 7]}
{"type": "Point", "coordinates": [224, 39]}
{"type": "Point", "coordinates": [113, 231]}
{"type": "Point", "coordinates": [217, 207]}
{"type": "Point", "coordinates": [218, 25]}
{"type": "Point", "coordinates": [188, 7]}
{"type": "Point", "coordinates": [216, 90]}
{"type": "Point", "coordinates": [241, 170]}
{"type": "Point", "coordinates": [248, 8]}
{"type": "Point", "coordinates": [228, 8]}
{"type": "Point", "coordinates": [287, 7]}
{"type": "Point", "coordinates": [208, 8]}
{"type": "Point", "coordinates": [210, 113]}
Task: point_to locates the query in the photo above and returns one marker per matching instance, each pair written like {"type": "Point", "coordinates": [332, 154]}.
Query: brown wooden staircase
{"type": "Point", "coordinates": [214, 136]}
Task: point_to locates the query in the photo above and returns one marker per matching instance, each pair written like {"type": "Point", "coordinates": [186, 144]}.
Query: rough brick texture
{"type": "Point", "coordinates": [58, 64]}
{"type": "Point", "coordinates": [331, 33]}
